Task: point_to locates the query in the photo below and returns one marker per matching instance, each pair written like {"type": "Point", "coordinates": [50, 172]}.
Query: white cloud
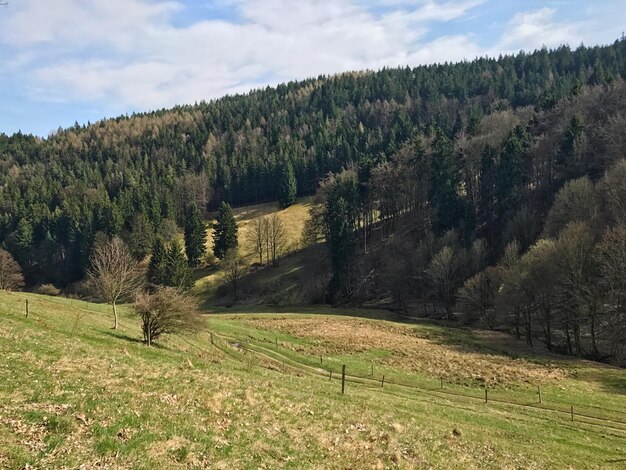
{"type": "Point", "coordinates": [127, 53]}
{"type": "Point", "coordinates": [74, 24]}
{"type": "Point", "coordinates": [533, 30]}
{"type": "Point", "coordinates": [132, 54]}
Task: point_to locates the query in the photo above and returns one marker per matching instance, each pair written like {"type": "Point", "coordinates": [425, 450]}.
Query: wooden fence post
{"type": "Point", "coordinates": [486, 398]}
{"type": "Point", "coordinates": [321, 359]}
{"type": "Point", "coordinates": [382, 382]}
{"type": "Point", "coordinates": [572, 411]}
{"type": "Point", "coordinates": [441, 378]}
{"type": "Point", "coordinates": [212, 338]}
{"type": "Point", "coordinates": [26, 308]}
{"type": "Point", "coordinates": [372, 369]}
{"type": "Point", "coordinates": [539, 392]}
{"type": "Point", "coordinates": [343, 379]}
{"type": "Point", "coordinates": [330, 374]}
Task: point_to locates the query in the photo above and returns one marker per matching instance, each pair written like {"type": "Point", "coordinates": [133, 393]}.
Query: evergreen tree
{"type": "Point", "coordinates": [140, 236]}
{"type": "Point", "coordinates": [195, 235]}
{"type": "Point", "coordinates": [443, 187]}
{"type": "Point", "coordinates": [225, 233]}
{"type": "Point", "coordinates": [340, 223]}
{"type": "Point", "coordinates": [511, 171]}
{"type": "Point", "coordinates": [23, 241]}
{"type": "Point", "coordinates": [156, 268]}
{"type": "Point", "coordinates": [287, 188]}
{"type": "Point", "coordinates": [177, 273]}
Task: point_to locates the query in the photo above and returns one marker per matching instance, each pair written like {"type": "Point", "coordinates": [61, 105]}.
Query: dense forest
{"type": "Point", "coordinates": [494, 187]}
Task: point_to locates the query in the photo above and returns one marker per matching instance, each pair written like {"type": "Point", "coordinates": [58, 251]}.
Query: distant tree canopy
{"type": "Point", "coordinates": [491, 190]}
{"type": "Point", "coordinates": [135, 176]}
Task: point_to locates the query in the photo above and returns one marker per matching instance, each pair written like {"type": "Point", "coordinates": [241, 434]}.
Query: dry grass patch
{"type": "Point", "coordinates": [412, 349]}
{"type": "Point", "coordinates": [293, 218]}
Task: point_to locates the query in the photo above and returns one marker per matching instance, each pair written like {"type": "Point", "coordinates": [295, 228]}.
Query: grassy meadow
{"type": "Point", "coordinates": [76, 394]}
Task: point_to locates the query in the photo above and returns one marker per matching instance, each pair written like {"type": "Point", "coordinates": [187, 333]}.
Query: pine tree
{"type": "Point", "coordinates": [287, 188]}
{"type": "Point", "coordinates": [225, 233]}
{"type": "Point", "coordinates": [23, 240]}
{"type": "Point", "coordinates": [195, 236]}
{"type": "Point", "coordinates": [156, 267]}
{"type": "Point", "coordinates": [177, 272]}
{"type": "Point", "coordinates": [443, 185]}
{"type": "Point", "coordinates": [140, 236]}
{"type": "Point", "coordinates": [511, 171]}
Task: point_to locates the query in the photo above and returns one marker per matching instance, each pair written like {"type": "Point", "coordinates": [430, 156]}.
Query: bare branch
{"type": "Point", "coordinates": [114, 272]}
{"type": "Point", "coordinates": [11, 277]}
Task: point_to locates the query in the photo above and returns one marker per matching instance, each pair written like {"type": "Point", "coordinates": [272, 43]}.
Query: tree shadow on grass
{"type": "Point", "coordinates": [123, 336]}
{"type": "Point", "coordinates": [132, 339]}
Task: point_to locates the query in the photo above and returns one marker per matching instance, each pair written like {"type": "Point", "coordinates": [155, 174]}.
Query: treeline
{"type": "Point", "coordinates": [136, 176]}
{"type": "Point", "coordinates": [520, 224]}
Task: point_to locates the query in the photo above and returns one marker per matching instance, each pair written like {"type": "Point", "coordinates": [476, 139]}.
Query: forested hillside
{"type": "Point", "coordinates": [436, 173]}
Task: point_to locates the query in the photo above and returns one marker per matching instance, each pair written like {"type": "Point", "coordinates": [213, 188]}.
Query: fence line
{"type": "Point", "coordinates": [604, 409]}
{"type": "Point", "coordinates": [379, 383]}
{"type": "Point", "coordinates": [373, 382]}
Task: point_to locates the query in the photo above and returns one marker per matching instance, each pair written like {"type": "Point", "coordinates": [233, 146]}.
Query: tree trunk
{"type": "Point", "coordinates": [568, 340]}
{"type": "Point", "coordinates": [549, 329]}
{"type": "Point", "coordinates": [115, 315]}
{"type": "Point", "coordinates": [577, 340]}
{"type": "Point", "coordinates": [517, 323]}
{"type": "Point", "coordinates": [594, 344]}
{"type": "Point", "coordinates": [529, 336]}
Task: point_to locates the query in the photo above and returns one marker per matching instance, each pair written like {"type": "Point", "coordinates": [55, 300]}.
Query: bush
{"type": "Point", "coordinates": [47, 289]}
{"type": "Point", "coordinates": [166, 310]}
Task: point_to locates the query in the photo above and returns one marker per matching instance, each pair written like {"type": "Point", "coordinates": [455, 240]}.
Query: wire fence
{"type": "Point", "coordinates": [607, 418]}
{"type": "Point", "coordinates": [437, 388]}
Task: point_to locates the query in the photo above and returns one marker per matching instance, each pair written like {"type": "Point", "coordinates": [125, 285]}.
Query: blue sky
{"type": "Point", "coordinates": [63, 61]}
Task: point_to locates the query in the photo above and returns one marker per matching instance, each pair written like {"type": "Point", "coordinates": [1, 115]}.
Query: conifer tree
{"type": "Point", "coordinates": [177, 272]}
{"type": "Point", "coordinates": [23, 240]}
{"type": "Point", "coordinates": [156, 267]}
{"type": "Point", "coordinates": [195, 236]}
{"type": "Point", "coordinates": [287, 188]}
{"type": "Point", "coordinates": [140, 236]}
{"type": "Point", "coordinates": [225, 233]}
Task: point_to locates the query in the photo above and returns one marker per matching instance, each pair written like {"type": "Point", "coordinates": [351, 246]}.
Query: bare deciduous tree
{"type": "Point", "coordinates": [166, 311]}
{"type": "Point", "coordinates": [235, 269]}
{"type": "Point", "coordinates": [11, 277]}
{"type": "Point", "coordinates": [443, 272]}
{"type": "Point", "coordinates": [613, 190]}
{"type": "Point", "coordinates": [478, 296]}
{"type": "Point", "coordinates": [277, 237]}
{"type": "Point", "coordinates": [113, 273]}
{"type": "Point", "coordinates": [577, 201]}
{"type": "Point", "coordinates": [269, 237]}
{"type": "Point", "coordinates": [257, 236]}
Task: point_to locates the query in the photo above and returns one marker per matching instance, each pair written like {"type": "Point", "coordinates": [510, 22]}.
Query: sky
{"type": "Point", "coordinates": [67, 61]}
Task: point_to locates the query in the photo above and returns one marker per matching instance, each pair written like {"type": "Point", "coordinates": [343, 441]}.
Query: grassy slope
{"type": "Point", "coordinates": [262, 284]}
{"type": "Point", "coordinates": [73, 392]}
{"type": "Point", "coordinates": [293, 218]}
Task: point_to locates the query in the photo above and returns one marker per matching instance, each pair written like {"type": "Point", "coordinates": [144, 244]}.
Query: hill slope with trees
{"type": "Point", "coordinates": [439, 187]}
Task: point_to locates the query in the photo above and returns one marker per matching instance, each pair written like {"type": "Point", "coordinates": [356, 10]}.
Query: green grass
{"type": "Point", "coordinates": [74, 392]}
